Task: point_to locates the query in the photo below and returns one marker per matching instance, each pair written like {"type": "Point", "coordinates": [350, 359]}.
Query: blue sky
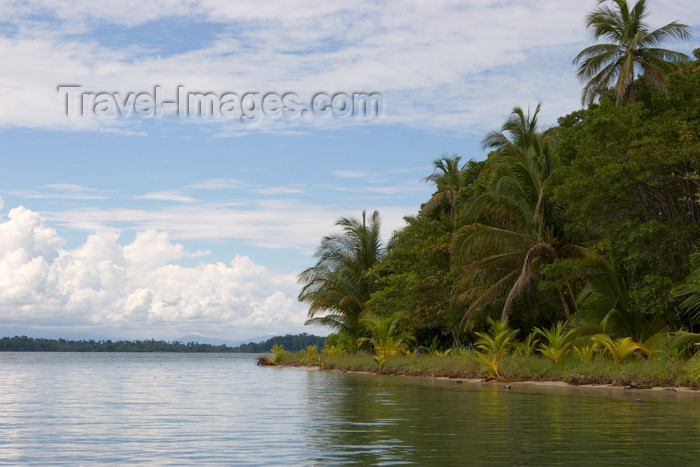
{"type": "Point", "coordinates": [162, 227]}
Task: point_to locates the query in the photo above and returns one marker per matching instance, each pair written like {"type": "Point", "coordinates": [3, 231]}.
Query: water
{"type": "Point", "coordinates": [221, 409]}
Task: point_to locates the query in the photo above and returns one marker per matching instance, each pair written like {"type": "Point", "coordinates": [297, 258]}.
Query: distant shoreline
{"type": "Point", "coordinates": [30, 344]}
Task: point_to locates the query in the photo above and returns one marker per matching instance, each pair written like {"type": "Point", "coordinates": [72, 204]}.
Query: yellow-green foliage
{"type": "Point", "coordinates": [558, 343]}
{"type": "Point", "coordinates": [527, 347]}
{"type": "Point", "coordinates": [694, 368]}
{"type": "Point", "coordinates": [494, 345]}
{"type": "Point", "coordinates": [311, 355]}
{"type": "Point", "coordinates": [586, 352]}
{"type": "Point", "coordinates": [278, 353]}
{"type": "Point", "coordinates": [333, 350]}
{"type": "Point", "coordinates": [443, 353]}
{"type": "Point", "coordinates": [380, 359]}
{"type": "Point", "coordinates": [387, 338]}
{"type": "Point", "coordinates": [619, 348]}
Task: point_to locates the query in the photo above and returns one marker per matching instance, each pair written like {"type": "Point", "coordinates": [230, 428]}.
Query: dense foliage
{"type": "Point", "coordinates": [583, 232]}
{"type": "Point", "coordinates": [292, 343]}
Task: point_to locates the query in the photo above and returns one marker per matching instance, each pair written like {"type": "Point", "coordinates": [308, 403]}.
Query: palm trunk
{"type": "Point", "coordinates": [567, 301]}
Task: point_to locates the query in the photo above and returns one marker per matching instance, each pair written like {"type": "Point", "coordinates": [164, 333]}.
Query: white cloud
{"type": "Point", "coordinates": [281, 190]}
{"type": "Point", "coordinates": [168, 196]}
{"type": "Point", "coordinates": [350, 173]}
{"type": "Point", "coordinates": [442, 65]}
{"type": "Point", "coordinates": [61, 191]}
{"type": "Point", "coordinates": [71, 187]}
{"type": "Point", "coordinates": [134, 290]}
{"type": "Point", "coordinates": [274, 223]}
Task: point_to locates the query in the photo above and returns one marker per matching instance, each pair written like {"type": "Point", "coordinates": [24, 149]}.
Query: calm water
{"type": "Point", "coordinates": [83, 409]}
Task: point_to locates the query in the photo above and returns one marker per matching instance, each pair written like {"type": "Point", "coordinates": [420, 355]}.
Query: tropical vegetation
{"type": "Point", "coordinates": [632, 47]}
{"type": "Point", "coordinates": [581, 239]}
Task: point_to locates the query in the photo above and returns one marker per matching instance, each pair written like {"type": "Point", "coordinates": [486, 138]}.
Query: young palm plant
{"type": "Point", "coordinates": [494, 345]}
{"type": "Point", "coordinates": [557, 342]}
{"type": "Point", "coordinates": [528, 346]}
{"type": "Point", "coordinates": [586, 352]}
{"type": "Point", "coordinates": [387, 338]}
{"type": "Point", "coordinates": [311, 355]}
{"type": "Point", "coordinates": [278, 353]}
{"type": "Point", "coordinates": [619, 348]}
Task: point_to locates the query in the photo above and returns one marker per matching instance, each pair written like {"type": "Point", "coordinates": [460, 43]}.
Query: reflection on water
{"type": "Point", "coordinates": [222, 409]}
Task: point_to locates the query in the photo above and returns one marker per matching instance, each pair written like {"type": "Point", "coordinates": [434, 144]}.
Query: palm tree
{"type": "Point", "coordinates": [605, 305]}
{"type": "Point", "coordinates": [632, 47]}
{"type": "Point", "coordinates": [449, 179]}
{"type": "Point", "coordinates": [342, 279]}
{"type": "Point", "coordinates": [520, 230]}
{"type": "Point", "coordinates": [690, 288]}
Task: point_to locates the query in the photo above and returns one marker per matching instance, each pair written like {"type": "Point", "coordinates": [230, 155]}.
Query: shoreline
{"type": "Point", "coordinates": [508, 385]}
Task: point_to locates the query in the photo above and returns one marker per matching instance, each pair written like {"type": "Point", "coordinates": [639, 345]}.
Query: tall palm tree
{"type": "Point", "coordinates": [342, 280]}
{"type": "Point", "coordinates": [633, 47]}
{"type": "Point", "coordinates": [520, 230]}
{"type": "Point", "coordinates": [448, 178]}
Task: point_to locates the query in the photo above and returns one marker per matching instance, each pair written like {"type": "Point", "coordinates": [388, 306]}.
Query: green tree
{"type": "Point", "coordinates": [342, 280]}
{"type": "Point", "coordinates": [629, 184]}
{"type": "Point", "coordinates": [418, 278]}
{"type": "Point", "coordinates": [633, 46]}
{"type": "Point", "coordinates": [449, 179]}
{"type": "Point", "coordinates": [518, 229]}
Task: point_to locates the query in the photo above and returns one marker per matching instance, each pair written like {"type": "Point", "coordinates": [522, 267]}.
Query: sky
{"type": "Point", "coordinates": [124, 215]}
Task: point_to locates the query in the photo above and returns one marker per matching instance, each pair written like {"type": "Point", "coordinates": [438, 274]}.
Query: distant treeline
{"type": "Point", "coordinates": [29, 344]}
{"type": "Point", "coordinates": [289, 342]}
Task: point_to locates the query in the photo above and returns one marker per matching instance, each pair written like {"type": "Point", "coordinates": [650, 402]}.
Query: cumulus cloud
{"type": "Point", "coordinates": [135, 290]}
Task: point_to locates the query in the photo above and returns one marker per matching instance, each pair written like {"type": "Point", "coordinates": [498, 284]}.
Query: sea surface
{"type": "Point", "coordinates": [222, 409]}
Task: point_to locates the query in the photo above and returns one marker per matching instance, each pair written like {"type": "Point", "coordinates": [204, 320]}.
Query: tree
{"type": "Point", "coordinates": [519, 228]}
{"type": "Point", "coordinates": [630, 184]}
{"type": "Point", "coordinates": [417, 278]}
{"type": "Point", "coordinates": [604, 304]}
{"type": "Point", "coordinates": [342, 279]}
{"type": "Point", "coordinates": [633, 46]}
{"type": "Point", "coordinates": [449, 178]}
